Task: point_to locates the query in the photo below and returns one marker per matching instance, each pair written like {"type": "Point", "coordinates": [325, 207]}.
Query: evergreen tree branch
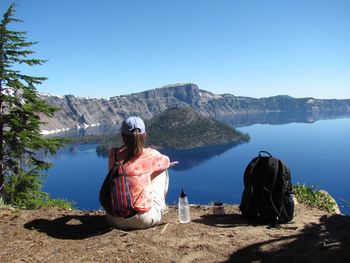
{"type": "Point", "coordinates": [22, 163]}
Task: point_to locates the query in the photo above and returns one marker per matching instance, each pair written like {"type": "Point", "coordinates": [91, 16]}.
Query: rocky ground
{"type": "Point", "coordinates": [56, 235]}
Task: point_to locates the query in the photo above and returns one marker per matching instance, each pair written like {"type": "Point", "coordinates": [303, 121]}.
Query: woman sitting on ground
{"type": "Point", "coordinates": [146, 170]}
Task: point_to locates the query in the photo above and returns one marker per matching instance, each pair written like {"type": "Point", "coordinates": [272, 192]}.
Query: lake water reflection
{"type": "Point", "coordinates": [316, 153]}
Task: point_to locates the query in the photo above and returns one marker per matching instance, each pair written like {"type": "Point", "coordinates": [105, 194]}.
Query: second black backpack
{"type": "Point", "coordinates": [267, 194]}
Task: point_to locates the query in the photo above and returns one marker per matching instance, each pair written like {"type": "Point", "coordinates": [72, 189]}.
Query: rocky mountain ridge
{"type": "Point", "coordinates": [76, 112]}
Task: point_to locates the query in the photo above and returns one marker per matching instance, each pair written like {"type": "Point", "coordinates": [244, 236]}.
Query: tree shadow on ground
{"type": "Point", "coordinates": [327, 241]}
{"type": "Point", "coordinates": [71, 226]}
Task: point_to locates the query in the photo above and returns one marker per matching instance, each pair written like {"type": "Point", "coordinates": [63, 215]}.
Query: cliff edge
{"type": "Point", "coordinates": [56, 235]}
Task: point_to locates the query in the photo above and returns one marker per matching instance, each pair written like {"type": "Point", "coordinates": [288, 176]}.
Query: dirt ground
{"type": "Point", "coordinates": [56, 235]}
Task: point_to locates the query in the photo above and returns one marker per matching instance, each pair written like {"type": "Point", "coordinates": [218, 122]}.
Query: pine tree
{"type": "Point", "coordinates": [21, 164]}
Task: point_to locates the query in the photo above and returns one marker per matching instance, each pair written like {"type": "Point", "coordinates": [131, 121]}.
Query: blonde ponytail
{"type": "Point", "coordinates": [134, 142]}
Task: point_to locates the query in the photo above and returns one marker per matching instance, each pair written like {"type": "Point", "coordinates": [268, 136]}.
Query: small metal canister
{"type": "Point", "coordinates": [218, 208]}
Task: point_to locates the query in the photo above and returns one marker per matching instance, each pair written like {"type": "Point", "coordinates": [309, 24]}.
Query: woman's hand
{"type": "Point", "coordinates": [173, 163]}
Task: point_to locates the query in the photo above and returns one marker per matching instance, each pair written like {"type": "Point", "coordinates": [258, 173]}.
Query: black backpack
{"type": "Point", "coordinates": [267, 194]}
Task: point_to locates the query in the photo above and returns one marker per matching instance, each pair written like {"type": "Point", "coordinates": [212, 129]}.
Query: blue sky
{"type": "Point", "coordinates": [254, 48]}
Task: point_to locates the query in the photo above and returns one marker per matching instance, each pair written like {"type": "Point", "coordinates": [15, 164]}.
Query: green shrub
{"type": "Point", "coordinates": [309, 195]}
{"type": "Point", "coordinates": [60, 203]}
{"type": "Point", "coordinates": [23, 190]}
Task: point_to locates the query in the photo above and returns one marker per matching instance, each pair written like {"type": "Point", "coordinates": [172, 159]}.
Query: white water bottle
{"type": "Point", "coordinates": [184, 208]}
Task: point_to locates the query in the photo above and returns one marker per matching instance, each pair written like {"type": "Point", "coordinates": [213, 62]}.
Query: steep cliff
{"type": "Point", "coordinates": [76, 112]}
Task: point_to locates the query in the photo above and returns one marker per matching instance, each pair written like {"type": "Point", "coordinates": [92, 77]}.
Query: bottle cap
{"type": "Point", "coordinates": [182, 195]}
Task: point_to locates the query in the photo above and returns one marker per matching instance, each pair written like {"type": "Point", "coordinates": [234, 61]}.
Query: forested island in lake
{"type": "Point", "coordinates": [176, 128]}
{"type": "Point", "coordinates": [186, 128]}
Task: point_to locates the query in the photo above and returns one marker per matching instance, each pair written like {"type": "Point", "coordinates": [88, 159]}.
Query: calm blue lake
{"type": "Point", "coordinates": [317, 154]}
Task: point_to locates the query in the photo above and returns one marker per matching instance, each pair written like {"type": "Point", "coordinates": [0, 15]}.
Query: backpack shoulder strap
{"type": "Point", "coordinates": [116, 164]}
{"type": "Point", "coordinates": [119, 164]}
{"type": "Point", "coordinates": [115, 157]}
{"type": "Point", "coordinates": [247, 177]}
{"type": "Point", "coordinates": [272, 171]}
{"type": "Point", "coordinates": [286, 176]}
{"type": "Point", "coordinates": [115, 154]}
{"type": "Point", "coordinates": [270, 184]}
{"type": "Point", "coordinates": [249, 170]}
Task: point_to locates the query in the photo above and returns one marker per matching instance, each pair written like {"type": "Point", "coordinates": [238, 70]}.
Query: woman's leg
{"type": "Point", "coordinates": [160, 185]}
{"type": "Point", "coordinates": [138, 221]}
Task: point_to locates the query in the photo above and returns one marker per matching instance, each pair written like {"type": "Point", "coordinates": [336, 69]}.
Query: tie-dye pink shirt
{"type": "Point", "coordinates": [140, 170]}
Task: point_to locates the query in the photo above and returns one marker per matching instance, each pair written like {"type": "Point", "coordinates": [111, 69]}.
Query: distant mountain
{"type": "Point", "coordinates": [79, 112]}
{"type": "Point", "coordinates": [185, 128]}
